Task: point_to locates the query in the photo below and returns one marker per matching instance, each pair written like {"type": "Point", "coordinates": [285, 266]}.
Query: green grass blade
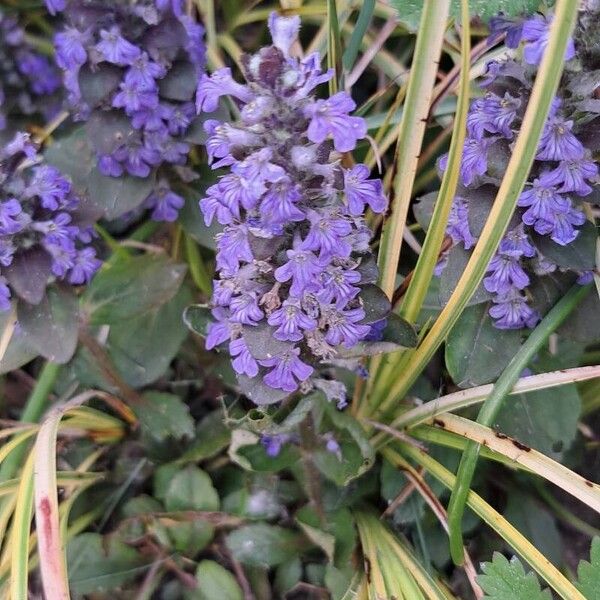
{"type": "Point", "coordinates": [406, 371]}
{"type": "Point", "coordinates": [419, 284]}
{"type": "Point", "coordinates": [543, 567]}
{"type": "Point", "coordinates": [492, 405]}
{"type": "Point", "coordinates": [334, 47]}
{"type": "Point", "coordinates": [362, 23]}
{"type": "Point", "coordinates": [19, 568]}
{"type": "Point", "coordinates": [412, 129]}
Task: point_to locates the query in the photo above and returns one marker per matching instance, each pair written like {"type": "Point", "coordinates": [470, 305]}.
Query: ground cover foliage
{"type": "Point", "coordinates": [299, 300]}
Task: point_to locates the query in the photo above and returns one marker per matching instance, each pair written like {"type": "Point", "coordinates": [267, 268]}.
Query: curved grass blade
{"type": "Point", "coordinates": [476, 395]}
{"type": "Point", "coordinates": [492, 405]}
{"type": "Point", "coordinates": [543, 567]}
{"type": "Point", "coordinates": [412, 128]}
{"type": "Point", "coordinates": [20, 534]}
{"type": "Point", "coordinates": [419, 284]}
{"type": "Point", "coordinates": [408, 369]}
{"type": "Point", "coordinates": [362, 23]}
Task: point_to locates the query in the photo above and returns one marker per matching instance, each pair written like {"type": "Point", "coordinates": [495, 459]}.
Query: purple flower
{"type": "Point", "coordinates": [51, 187]}
{"type": "Point", "coordinates": [108, 165]}
{"type": "Point", "coordinates": [506, 272]}
{"type": "Point", "coordinates": [115, 49]}
{"type": "Point", "coordinates": [224, 138]}
{"type": "Point", "coordinates": [543, 202]}
{"type": "Point", "coordinates": [258, 169]}
{"type": "Point", "coordinates": [245, 310]}
{"type": "Point", "coordinates": [516, 243]}
{"type": "Point", "coordinates": [233, 247]}
{"type": "Point", "coordinates": [166, 204]}
{"type": "Point", "coordinates": [273, 443]}
{"type": "Point", "coordinates": [137, 158]}
{"type": "Point", "coordinates": [55, 6]}
{"type": "Point", "coordinates": [4, 294]}
{"type": "Point", "coordinates": [327, 235]}
{"type": "Point", "coordinates": [474, 159]}
{"type": "Point", "coordinates": [573, 175]}
{"type": "Point", "coordinates": [84, 267]}
{"type": "Point", "coordinates": [178, 117]}
{"type": "Point", "coordinates": [218, 331]}
{"type": "Point", "coordinates": [337, 285]}
{"type": "Point", "coordinates": [243, 362]}
{"type": "Point", "coordinates": [513, 29]}
{"type": "Point", "coordinates": [361, 190]}
{"type": "Point", "coordinates": [284, 31]}
{"type": "Point", "coordinates": [511, 311]}
{"type": "Point", "coordinates": [42, 77]}
{"type": "Point", "coordinates": [220, 83]}
{"type": "Point", "coordinates": [564, 225]}
{"type": "Point", "coordinates": [330, 118]}
{"type": "Point", "coordinates": [478, 119]}
{"type": "Point", "coordinates": [536, 33]}
{"type": "Point", "coordinates": [134, 97]}
{"type": "Point", "coordinates": [558, 141]}
{"type": "Point", "coordinates": [290, 320]}
{"type": "Point", "coordinates": [143, 72]}
{"type": "Point", "coordinates": [279, 203]}
{"type": "Point", "coordinates": [501, 113]}
{"type": "Point", "coordinates": [344, 327]}
{"type": "Point", "coordinates": [302, 268]}
{"type": "Point", "coordinates": [458, 223]}
{"type": "Point", "coordinates": [287, 368]}
{"type": "Point", "coordinates": [70, 47]}
{"type": "Point", "coordinates": [10, 211]}
{"type": "Point", "coordinates": [214, 205]}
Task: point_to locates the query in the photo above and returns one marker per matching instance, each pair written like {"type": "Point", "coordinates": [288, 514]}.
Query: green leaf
{"type": "Point", "coordinates": [544, 420]}
{"type": "Point", "coordinates": [535, 523]}
{"type": "Point", "coordinates": [189, 538]}
{"type": "Point", "coordinates": [583, 325]}
{"type": "Point", "coordinates": [589, 573]}
{"type": "Point", "coordinates": [263, 545]}
{"type": "Point", "coordinates": [190, 215]}
{"type": "Point", "coordinates": [215, 583]}
{"type": "Point", "coordinates": [101, 564]}
{"type": "Point", "coordinates": [112, 196]}
{"type": "Point", "coordinates": [143, 347]}
{"type": "Point", "coordinates": [375, 303]}
{"type": "Point", "coordinates": [50, 327]}
{"type": "Point", "coordinates": [409, 11]}
{"type": "Point", "coordinates": [19, 351]}
{"type": "Point", "coordinates": [258, 391]}
{"type": "Point", "coordinates": [458, 258]}
{"type": "Point", "coordinates": [212, 436]}
{"type": "Point", "coordinates": [131, 287]}
{"type": "Point", "coordinates": [357, 454]}
{"type": "Point", "coordinates": [504, 580]}
{"type": "Point", "coordinates": [163, 416]}
{"type": "Point", "coordinates": [310, 523]}
{"type": "Point", "coordinates": [288, 574]}
{"type": "Point", "coordinates": [191, 489]}
{"type": "Point", "coordinates": [579, 255]}
{"type": "Point", "coordinates": [197, 318]}
{"type": "Point", "coordinates": [476, 351]}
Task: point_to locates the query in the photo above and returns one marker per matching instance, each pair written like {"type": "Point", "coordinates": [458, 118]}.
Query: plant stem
{"type": "Point", "coordinates": [197, 268]}
{"type": "Point", "coordinates": [33, 410]}
{"type": "Point", "coordinates": [492, 405]}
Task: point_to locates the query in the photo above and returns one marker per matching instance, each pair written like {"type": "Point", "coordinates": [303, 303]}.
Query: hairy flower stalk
{"type": "Point", "coordinates": [28, 80]}
{"type": "Point", "coordinates": [564, 173]}
{"type": "Point", "coordinates": [44, 234]}
{"type": "Point", "coordinates": [292, 254]}
{"type": "Point", "coordinates": [130, 70]}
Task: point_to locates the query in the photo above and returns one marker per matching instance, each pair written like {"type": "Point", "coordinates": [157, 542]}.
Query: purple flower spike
{"type": "Point", "coordinates": [506, 273]}
{"type": "Point", "coordinates": [10, 211]}
{"type": "Point", "coordinates": [511, 311]}
{"type": "Point", "coordinates": [458, 224]}
{"type": "Point", "coordinates": [55, 6]}
{"type": "Point", "coordinates": [166, 204]}
{"type": "Point", "coordinates": [330, 118]}
{"type": "Point", "coordinates": [294, 232]}
{"type": "Point", "coordinates": [574, 175]}
{"type": "Point", "coordinates": [287, 371]}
